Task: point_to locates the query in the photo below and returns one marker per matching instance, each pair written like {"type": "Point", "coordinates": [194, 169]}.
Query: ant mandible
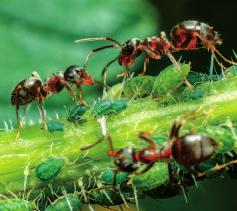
{"type": "Point", "coordinates": [188, 35]}
{"type": "Point", "coordinates": [33, 89]}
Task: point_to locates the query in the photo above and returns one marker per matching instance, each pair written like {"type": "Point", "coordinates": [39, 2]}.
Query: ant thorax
{"type": "Point", "coordinates": [125, 159]}
{"type": "Point", "coordinates": [129, 52]}
{"type": "Point", "coordinates": [54, 83]}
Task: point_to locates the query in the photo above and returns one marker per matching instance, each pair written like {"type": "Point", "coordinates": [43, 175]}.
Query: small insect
{"type": "Point", "coordinates": [33, 89]}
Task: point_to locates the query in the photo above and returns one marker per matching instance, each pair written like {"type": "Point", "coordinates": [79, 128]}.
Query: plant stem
{"type": "Point", "coordinates": [143, 114]}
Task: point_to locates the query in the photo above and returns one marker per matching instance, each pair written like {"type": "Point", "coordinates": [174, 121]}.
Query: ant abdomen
{"type": "Point", "coordinates": [193, 149]}
{"type": "Point", "coordinates": [193, 35]}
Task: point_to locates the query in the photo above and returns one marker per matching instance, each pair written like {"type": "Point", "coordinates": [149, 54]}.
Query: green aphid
{"type": "Point", "coordinates": [107, 177]}
{"type": "Point", "coordinates": [119, 105]}
{"type": "Point", "coordinates": [169, 80]}
{"type": "Point", "coordinates": [70, 202]}
{"type": "Point", "coordinates": [115, 91]}
{"type": "Point", "coordinates": [75, 113]}
{"type": "Point", "coordinates": [49, 169]}
{"type": "Point", "coordinates": [16, 205]}
{"type": "Point", "coordinates": [222, 135]}
{"type": "Point", "coordinates": [232, 70]}
{"type": "Point", "coordinates": [195, 77]}
{"type": "Point", "coordinates": [106, 197]}
{"type": "Point", "coordinates": [196, 94]}
{"type": "Point", "coordinates": [139, 86]}
{"type": "Point", "coordinates": [109, 107]}
{"type": "Point", "coordinates": [101, 107]}
{"type": "Point", "coordinates": [55, 126]}
{"type": "Point", "coordinates": [156, 176]}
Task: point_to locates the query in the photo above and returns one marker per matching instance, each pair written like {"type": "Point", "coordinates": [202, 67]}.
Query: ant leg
{"type": "Point", "coordinates": [91, 53]}
{"type": "Point", "coordinates": [116, 171]}
{"type": "Point", "coordinates": [148, 167]}
{"type": "Point", "coordinates": [104, 71]}
{"type": "Point", "coordinates": [124, 73]}
{"type": "Point", "coordinates": [224, 58]}
{"type": "Point", "coordinates": [146, 62]}
{"type": "Point", "coordinates": [18, 121]}
{"type": "Point", "coordinates": [40, 102]}
{"type": "Point", "coordinates": [71, 91]}
{"type": "Point", "coordinates": [218, 62]}
{"type": "Point", "coordinates": [173, 60]}
{"type": "Point", "coordinates": [80, 96]}
{"type": "Point", "coordinates": [214, 50]}
{"type": "Point", "coordinates": [218, 167]}
{"type": "Point", "coordinates": [88, 146]}
{"type": "Point", "coordinates": [143, 136]}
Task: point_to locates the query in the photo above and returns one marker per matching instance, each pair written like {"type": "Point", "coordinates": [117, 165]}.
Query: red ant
{"type": "Point", "coordinates": [33, 89]}
{"type": "Point", "coordinates": [189, 150]}
{"type": "Point", "coordinates": [188, 35]}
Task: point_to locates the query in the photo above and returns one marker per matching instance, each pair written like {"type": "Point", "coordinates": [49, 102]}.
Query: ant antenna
{"type": "Point", "coordinates": [102, 84]}
{"type": "Point", "coordinates": [115, 45]}
{"type": "Point", "coordinates": [91, 53]}
{"type": "Point", "coordinates": [224, 58]}
{"type": "Point", "coordinates": [96, 39]}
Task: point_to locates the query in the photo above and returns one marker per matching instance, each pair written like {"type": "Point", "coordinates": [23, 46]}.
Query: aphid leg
{"type": "Point", "coordinates": [146, 62]}
{"type": "Point", "coordinates": [218, 167]}
{"type": "Point", "coordinates": [40, 103]}
{"type": "Point", "coordinates": [173, 60]}
{"type": "Point", "coordinates": [88, 146]}
{"type": "Point", "coordinates": [144, 137]}
{"type": "Point", "coordinates": [81, 96]}
{"type": "Point", "coordinates": [91, 53]}
{"type": "Point", "coordinates": [18, 121]}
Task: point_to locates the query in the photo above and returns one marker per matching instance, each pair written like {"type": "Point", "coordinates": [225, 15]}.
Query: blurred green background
{"type": "Point", "coordinates": [39, 35]}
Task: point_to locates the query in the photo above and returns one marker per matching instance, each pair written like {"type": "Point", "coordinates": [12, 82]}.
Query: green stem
{"type": "Point", "coordinates": [35, 145]}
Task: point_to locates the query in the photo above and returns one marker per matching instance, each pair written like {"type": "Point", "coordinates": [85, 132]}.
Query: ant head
{"type": "Point", "coordinates": [129, 51]}
{"type": "Point", "coordinates": [78, 75]}
{"type": "Point", "coordinates": [125, 159]}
